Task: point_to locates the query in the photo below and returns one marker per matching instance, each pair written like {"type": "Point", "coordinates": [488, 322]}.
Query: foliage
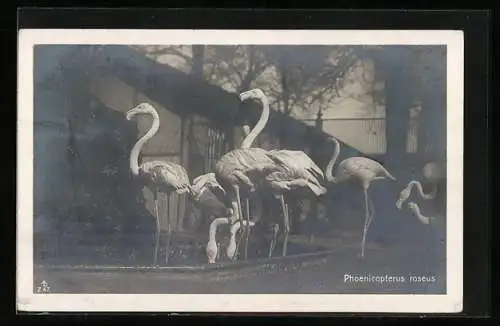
{"type": "Point", "coordinates": [293, 77]}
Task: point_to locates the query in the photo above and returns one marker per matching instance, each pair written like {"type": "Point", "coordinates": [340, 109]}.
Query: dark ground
{"type": "Point", "coordinates": [325, 275]}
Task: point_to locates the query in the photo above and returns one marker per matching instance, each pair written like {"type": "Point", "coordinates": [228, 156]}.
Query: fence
{"type": "Point", "coordinates": [368, 135]}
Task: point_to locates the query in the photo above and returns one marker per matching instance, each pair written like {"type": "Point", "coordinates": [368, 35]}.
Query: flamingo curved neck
{"type": "Point", "coordinates": [416, 211]}
{"type": "Point", "coordinates": [329, 168]}
{"type": "Point", "coordinates": [264, 117]}
{"type": "Point", "coordinates": [213, 227]}
{"type": "Point", "coordinates": [246, 130]}
{"type": "Point", "coordinates": [232, 239]}
{"type": "Point", "coordinates": [418, 185]}
{"type": "Point", "coordinates": [134, 155]}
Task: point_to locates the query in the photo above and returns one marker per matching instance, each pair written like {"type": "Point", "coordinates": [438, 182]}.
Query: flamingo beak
{"type": "Point", "coordinates": [245, 95]}
{"type": "Point", "coordinates": [399, 204]}
{"type": "Point", "coordinates": [129, 115]}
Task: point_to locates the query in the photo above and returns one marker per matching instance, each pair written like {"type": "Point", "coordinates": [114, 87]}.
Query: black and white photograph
{"type": "Point", "coordinates": [240, 170]}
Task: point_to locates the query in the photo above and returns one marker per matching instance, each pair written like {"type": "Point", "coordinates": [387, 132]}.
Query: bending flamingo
{"type": "Point", "coordinates": [432, 173]}
{"type": "Point", "coordinates": [415, 209]}
{"type": "Point", "coordinates": [158, 176]}
{"type": "Point", "coordinates": [365, 171]}
{"type": "Point", "coordinates": [406, 192]}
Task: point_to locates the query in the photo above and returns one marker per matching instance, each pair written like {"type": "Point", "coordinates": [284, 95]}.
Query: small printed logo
{"type": "Point", "coordinates": [43, 287]}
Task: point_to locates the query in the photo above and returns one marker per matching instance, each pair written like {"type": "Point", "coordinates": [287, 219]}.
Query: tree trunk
{"type": "Point", "coordinates": [250, 75]}
{"type": "Point", "coordinates": [285, 98]}
{"type": "Point", "coordinates": [399, 90]}
{"type": "Point", "coordinates": [393, 62]}
{"type": "Point", "coordinates": [198, 59]}
{"type": "Point", "coordinates": [433, 116]}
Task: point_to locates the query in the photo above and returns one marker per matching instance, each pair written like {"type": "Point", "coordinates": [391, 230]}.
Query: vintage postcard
{"type": "Point", "coordinates": [240, 170]}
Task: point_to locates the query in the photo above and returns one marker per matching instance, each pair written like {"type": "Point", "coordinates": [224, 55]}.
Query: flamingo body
{"type": "Point", "coordinates": [296, 170]}
{"type": "Point", "coordinates": [361, 168]}
{"type": "Point", "coordinates": [165, 176]}
{"type": "Point", "coordinates": [243, 167]}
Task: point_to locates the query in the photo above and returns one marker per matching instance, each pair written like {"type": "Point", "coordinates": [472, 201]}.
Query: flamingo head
{"type": "Point", "coordinates": [229, 212]}
{"type": "Point", "coordinates": [412, 206]}
{"type": "Point", "coordinates": [333, 140]}
{"type": "Point", "coordinates": [403, 196]}
{"type": "Point", "coordinates": [256, 93]}
{"type": "Point", "coordinates": [142, 108]}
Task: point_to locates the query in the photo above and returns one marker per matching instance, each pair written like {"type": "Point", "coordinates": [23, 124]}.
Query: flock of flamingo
{"type": "Point", "coordinates": [248, 173]}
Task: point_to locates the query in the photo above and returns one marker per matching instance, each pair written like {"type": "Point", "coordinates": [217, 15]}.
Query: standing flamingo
{"type": "Point", "coordinates": [365, 171]}
{"type": "Point", "coordinates": [208, 183]}
{"type": "Point", "coordinates": [243, 167]}
{"type": "Point", "coordinates": [293, 169]}
{"type": "Point", "coordinates": [158, 176]}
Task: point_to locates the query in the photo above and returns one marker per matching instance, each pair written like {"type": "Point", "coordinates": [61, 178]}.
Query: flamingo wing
{"type": "Point", "coordinates": [245, 160]}
{"type": "Point", "coordinates": [297, 161]}
{"type": "Point", "coordinates": [206, 181]}
{"type": "Point", "coordinates": [362, 167]}
{"type": "Point", "coordinates": [299, 169]}
{"type": "Point", "coordinates": [168, 174]}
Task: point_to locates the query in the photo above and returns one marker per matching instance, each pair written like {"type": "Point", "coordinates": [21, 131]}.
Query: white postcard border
{"type": "Point", "coordinates": [450, 302]}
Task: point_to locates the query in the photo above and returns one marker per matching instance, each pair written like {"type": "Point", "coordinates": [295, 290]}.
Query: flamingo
{"type": "Point", "coordinates": [212, 248]}
{"type": "Point", "coordinates": [208, 182]}
{"type": "Point", "coordinates": [232, 247]}
{"type": "Point", "coordinates": [296, 170]}
{"type": "Point", "coordinates": [365, 171]}
{"type": "Point", "coordinates": [415, 209]}
{"type": "Point", "coordinates": [432, 173]}
{"type": "Point", "coordinates": [158, 176]}
{"type": "Point", "coordinates": [241, 168]}
{"type": "Point", "coordinates": [293, 169]}
{"type": "Point", "coordinates": [406, 192]}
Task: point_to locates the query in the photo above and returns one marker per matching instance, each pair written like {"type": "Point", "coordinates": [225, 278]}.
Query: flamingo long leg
{"type": "Point", "coordinates": [240, 209]}
{"type": "Point", "coordinates": [367, 219]}
{"type": "Point", "coordinates": [169, 228]}
{"type": "Point", "coordinates": [273, 240]}
{"type": "Point", "coordinates": [247, 207]}
{"type": "Point", "coordinates": [286, 224]}
{"type": "Point", "coordinates": [238, 242]}
{"type": "Point", "coordinates": [157, 234]}
{"type": "Point", "coordinates": [246, 232]}
{"type": "Point", "coordinates": [247, 227]}
{"type": "Point", "coordinates": [372, 211]}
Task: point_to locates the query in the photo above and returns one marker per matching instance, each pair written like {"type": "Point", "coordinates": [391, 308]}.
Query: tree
{"type": "Point", "coordinates": [197, 66]}
{"type": "Point", "coordinates": [293, 76]}
{"type": "Point", "coordinates": [234, 67]}
{"type": "Point", "coordinates": [431, 78]}
{"type": "Point", "coordinates": [307, 75]}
